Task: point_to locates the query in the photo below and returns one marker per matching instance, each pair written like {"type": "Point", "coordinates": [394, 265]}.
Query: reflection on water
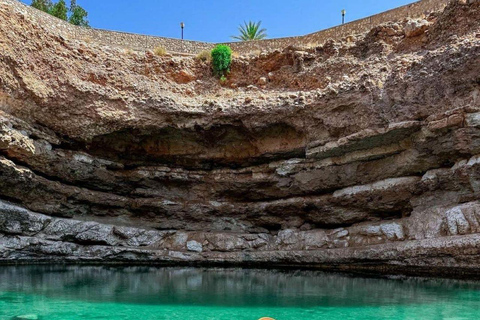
{"type": "Point", "coordinates": [223, 287]}
{"type": "Point", "coordinates": [148, 293]}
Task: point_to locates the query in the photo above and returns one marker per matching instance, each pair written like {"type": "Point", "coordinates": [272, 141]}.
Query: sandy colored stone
{"type": "Point", "coordinates": [352, 154]}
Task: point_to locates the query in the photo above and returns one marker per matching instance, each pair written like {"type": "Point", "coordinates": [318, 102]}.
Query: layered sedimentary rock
{"type": "Point", "coordinates": [361, 154]}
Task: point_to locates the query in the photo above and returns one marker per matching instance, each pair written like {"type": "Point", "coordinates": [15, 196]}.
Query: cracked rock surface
{"type": "Point", "coordinates": [357, 154]}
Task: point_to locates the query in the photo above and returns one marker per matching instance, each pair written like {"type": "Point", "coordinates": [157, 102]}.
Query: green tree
{"type": "Point", "coordinates": [44, 5]}
{"type": "Point", "coordinates": [60, 10]}
{"type": "Point", "coordinates": [78, 15]}
{"type": "Point", "coordinates": [75, 14]}
{"type": "Point", "coordinates": [221, 60]}
{"type": "Point", "coordinates": [251, 31]}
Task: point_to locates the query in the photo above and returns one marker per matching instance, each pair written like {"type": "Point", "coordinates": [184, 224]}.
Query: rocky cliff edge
{"type": "Point", "coordinates": [360, 154]}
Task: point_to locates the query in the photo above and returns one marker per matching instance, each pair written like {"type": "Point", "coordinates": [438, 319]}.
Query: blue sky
{"type": "Point", "coordinates": [217, 20]}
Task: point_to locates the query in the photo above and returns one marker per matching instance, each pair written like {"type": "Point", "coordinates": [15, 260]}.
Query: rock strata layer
{"type": "Point", "coordinates": [360, 154]}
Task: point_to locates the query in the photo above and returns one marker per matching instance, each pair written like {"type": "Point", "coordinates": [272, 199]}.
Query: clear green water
{"type": "Point", "coordinates": [72, 292]}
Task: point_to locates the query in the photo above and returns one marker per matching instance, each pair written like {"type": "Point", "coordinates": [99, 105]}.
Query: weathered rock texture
{"type": "Point", "coordinates": [140, 42]}
{"type": "Point", "coordinates": [359, 155]}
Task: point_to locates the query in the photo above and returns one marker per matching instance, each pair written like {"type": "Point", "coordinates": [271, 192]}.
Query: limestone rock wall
{"type": "Point", "coordinates": [360, 154]}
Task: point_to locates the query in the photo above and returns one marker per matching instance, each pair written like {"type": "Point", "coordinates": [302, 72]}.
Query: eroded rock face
{"type": "Point", "coordinates": [360, 154]}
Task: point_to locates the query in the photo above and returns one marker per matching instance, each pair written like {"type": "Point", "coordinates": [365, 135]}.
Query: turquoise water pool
{"type": "Point", "coordinates": [73, 292]}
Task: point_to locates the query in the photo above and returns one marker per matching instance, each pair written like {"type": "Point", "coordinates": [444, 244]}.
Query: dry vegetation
{"type": "Point", "coordinates": [160, 51]}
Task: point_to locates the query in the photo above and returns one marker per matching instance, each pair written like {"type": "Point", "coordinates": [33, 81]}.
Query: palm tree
{"type": "Point", "coordinates": [251, 31]}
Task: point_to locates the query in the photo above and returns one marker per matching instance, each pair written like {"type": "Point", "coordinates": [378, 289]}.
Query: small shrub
{"type": "Point", "coordinates": [223, 79]}
{"type": "Point", "coordinates": [221, 59]}
{"type": "Point", "coordinates": [204, 55]}
{"type": "Point", "coordinates": [160, 51]}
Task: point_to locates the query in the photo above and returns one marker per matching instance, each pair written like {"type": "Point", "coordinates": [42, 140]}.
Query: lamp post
{"type": "Point", "coordinates": [343, 15]}
{"type": "Point", "coordinates": [182, 25]}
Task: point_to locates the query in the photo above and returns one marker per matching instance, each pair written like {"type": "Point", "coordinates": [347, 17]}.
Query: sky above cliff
{"type": "Point", "coordinates": [216, 21]}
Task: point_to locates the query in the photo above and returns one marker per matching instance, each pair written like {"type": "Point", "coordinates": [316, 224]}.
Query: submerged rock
{"type": "Point", "coordinates": [26, 317]}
